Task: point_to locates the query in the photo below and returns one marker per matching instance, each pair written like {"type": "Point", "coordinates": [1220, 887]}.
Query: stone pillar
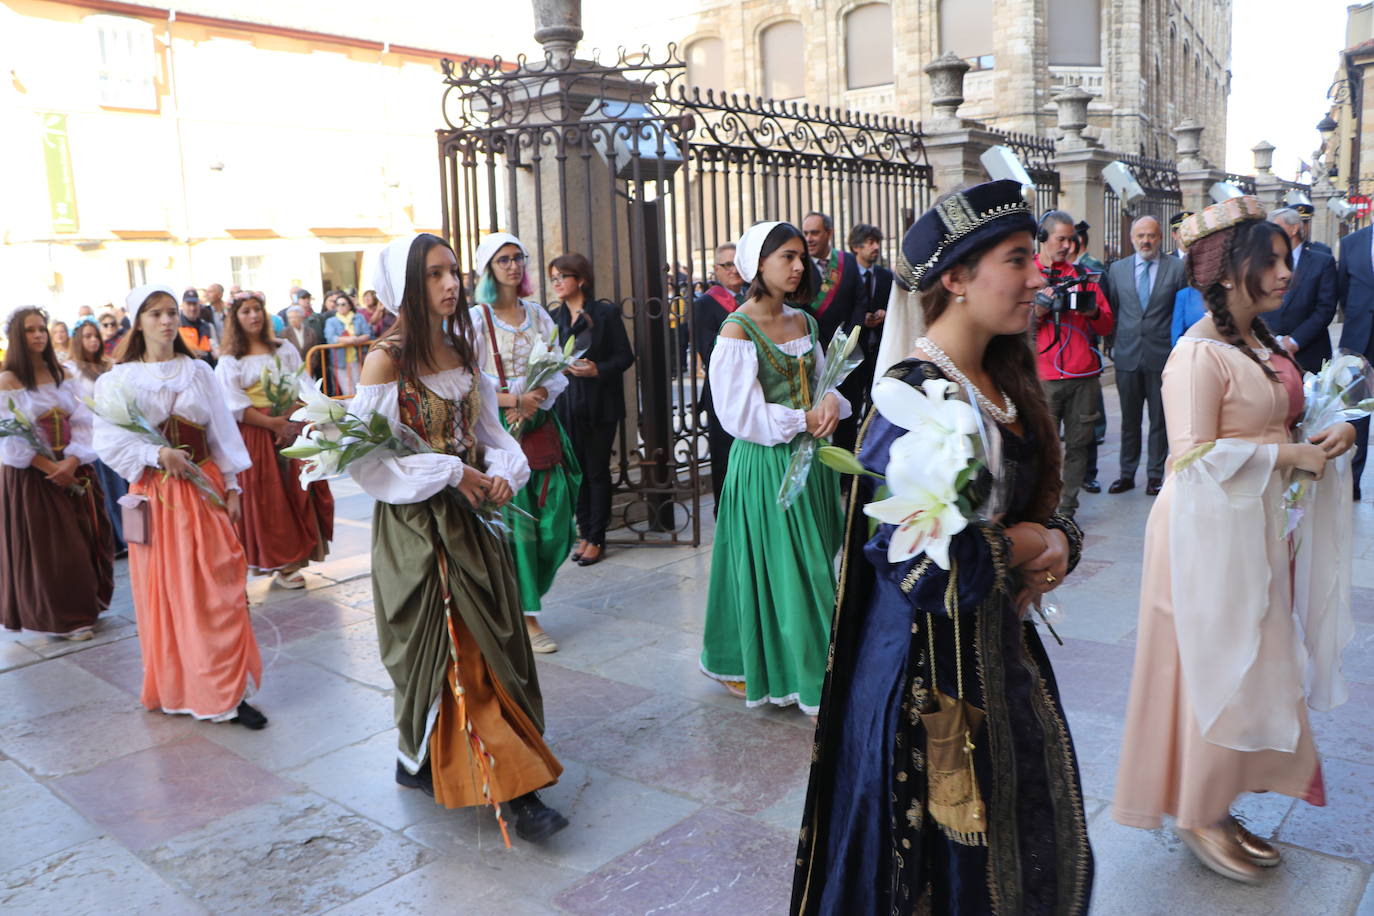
{"type": "Point", "coordinates": [1195, 185]}
{"type": "Point", "coordinates": [953, 144]}
{"type": "Point", "coordinates": [1325, 227]}
{"type": "Point", "coordinates": [1081, 189]}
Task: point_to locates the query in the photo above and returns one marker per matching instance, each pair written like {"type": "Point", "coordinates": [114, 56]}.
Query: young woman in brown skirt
{"type": "Point", "coordinates": [56, 547]}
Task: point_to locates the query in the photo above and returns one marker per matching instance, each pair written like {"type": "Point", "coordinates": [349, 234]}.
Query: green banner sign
{"type": "Point", "coordinates": [57, 160]}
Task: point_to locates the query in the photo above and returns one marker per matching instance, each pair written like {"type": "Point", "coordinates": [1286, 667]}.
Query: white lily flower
{"type": "Point", "coordinates": [924, 509]}
{"type": "Point", "coordinates": [943, 426]}
{"type": "Point", "coordinates": [112, 404]}
{"type": "Point", "coordinates": [319, 408]}
{"type": "Point", "coordinates": [323, 465]}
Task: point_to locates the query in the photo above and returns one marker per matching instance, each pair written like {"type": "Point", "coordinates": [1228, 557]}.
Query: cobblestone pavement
{"type": "Point", "coordinates": [681, 800]}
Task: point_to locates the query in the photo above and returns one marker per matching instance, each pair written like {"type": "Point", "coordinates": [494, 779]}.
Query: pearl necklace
{"type": "Point", "coordinates": [1005, 417]}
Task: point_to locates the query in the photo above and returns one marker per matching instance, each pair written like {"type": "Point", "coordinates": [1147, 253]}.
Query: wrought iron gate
{"type": "Point", "coordinates": [627, 165]}
{"type": "Point", "coordinates": [1163, 198]}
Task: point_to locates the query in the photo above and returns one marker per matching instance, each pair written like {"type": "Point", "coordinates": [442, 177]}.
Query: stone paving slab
{"type": "Point", "coordinates": [681, 799]}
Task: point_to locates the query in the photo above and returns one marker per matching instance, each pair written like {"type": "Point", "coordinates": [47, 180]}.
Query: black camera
{"type": "Point", "coordinates": [1060, 296]}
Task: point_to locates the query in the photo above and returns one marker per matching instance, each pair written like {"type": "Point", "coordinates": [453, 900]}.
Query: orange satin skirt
{"type": "Point", "coordinates": [518, 760]}
{"type": "Point", "coordinates": [199, 653]}
{"type": "Point", "coordinates": [283, 526]}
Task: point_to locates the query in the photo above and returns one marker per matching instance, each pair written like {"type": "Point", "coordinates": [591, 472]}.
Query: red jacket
{"type": "Point", "coordinates": [1067, 351]}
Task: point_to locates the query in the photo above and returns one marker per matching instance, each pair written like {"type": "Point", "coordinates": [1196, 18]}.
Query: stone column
{"type": "Point", "coordinates": [952, 143]}
{"type": "Point", "coordinates": [1195, 185]}
{"type": "Point", "coordinates": [1268, 188]}
{"type": "Point", "coordinates": [1082, 188]}
{"type": "Point", "coordinates": [1325, 227]}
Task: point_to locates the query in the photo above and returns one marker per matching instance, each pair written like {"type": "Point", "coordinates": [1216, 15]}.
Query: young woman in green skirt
{"type": "Point", "coordinates": [505, 327]}
{"type": "Point", "coordinates": [469, 711]}
{"type": "Point", "coordinates": [772, 590]}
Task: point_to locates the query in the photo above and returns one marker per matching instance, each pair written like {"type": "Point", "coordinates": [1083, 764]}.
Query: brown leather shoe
{"type": "Point", "coordinates": [1121, 485]}
{"type": "Point", "coordinates": [1216, 847]}
{"type": "Point", "coordinates": [1153, 486]}
{"type": "Point", "coordinates": [1259, 851]}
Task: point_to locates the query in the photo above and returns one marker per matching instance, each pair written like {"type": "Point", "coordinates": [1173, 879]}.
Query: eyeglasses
{"type": "Point", "coordinates": [727, 265]}
{"type": "Point", "coordinates": [559, 278]}
{"type": "Point", "coordinates": [511, 260]}
{"type": "Point", "coordinates": [107, 324]}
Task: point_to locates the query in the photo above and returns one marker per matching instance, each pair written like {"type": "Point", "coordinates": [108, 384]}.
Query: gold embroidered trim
{"type": "Point", "coordinates": [960, 219]}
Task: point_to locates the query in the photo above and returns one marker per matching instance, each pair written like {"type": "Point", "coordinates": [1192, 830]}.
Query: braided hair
{"type": "Point", "coordinates": [1242, 253]}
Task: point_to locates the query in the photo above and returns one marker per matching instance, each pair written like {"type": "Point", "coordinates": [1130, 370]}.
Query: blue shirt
{"type": "Point", "coordinates": [1188, 308]}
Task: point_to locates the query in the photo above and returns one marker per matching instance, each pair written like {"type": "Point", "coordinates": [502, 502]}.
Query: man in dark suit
{"type": "Point", "coordinates": [709, 311]}
{"type": "Point", "coordinates": [1310, 303]}
{"type": "Point", "coordinates": [876, 281]}
{"type": "Point", "coordinates": [840, 301]}
{"type": "Point", "coordinates": [1355, 284]}
{"type": "Point", "coordinates": [1141, 290]}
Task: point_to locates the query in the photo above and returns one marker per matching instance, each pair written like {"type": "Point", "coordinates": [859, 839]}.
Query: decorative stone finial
{"type": "Point", "coordinates": [1264, 157]}
{"type": "Point", "coordinates": [558, 27]}
{"type": "Point", "coordinates": [946, 74]}
{"type": "Point", "coordinates": [1073, 114]}
{"type": "Point", "coordinates": [1189, 137]}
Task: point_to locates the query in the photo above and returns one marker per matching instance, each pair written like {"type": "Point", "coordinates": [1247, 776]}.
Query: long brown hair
{"type": "Point", "coordinates": [19, 360]}
{"type": "Point", "coordinates": [91, 369]}
{"type": "Point", "coordinates": [1241, 253]}
{"type": "Point", "coordinates": [1010, 361]}
{"type": "Point", "coordinates": [416, 350]}
{"type": "Point", "coordinates": [133, 346]}
{"type": "Point", "coordinates": [236, 339]}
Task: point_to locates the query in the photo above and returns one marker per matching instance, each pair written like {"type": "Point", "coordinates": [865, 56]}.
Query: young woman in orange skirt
{"type": "Point", "coordinates": [283, 527]}
{"type": "Point", "coordinates": [56, 547]}
{"type": "Point", "coordinates": [199, 653]}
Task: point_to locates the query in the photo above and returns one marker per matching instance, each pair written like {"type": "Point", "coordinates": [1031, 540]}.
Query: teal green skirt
{"type": "Point", "coordinates": [772, 592]}
{"type": "Point", "coordinates": [539, 547]}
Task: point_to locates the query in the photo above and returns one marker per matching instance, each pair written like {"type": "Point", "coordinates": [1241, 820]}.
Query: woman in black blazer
{"type": "Point", "coordinates": [594, 403]}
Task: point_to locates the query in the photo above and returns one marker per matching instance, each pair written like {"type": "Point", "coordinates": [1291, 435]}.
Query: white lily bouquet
{"type": "Point", "coordinates": [118, 406]}
{"type": "Point", "coordinates": [839, 363]}
{"type": "Point", "coordinates": [334, 437]}
{"type": "Point", "coordinates": [281, 386]}
{"type": "Point", "coordinates": [547, 360]}
{"type": "Point", "coordinates": [1342, 391]}
{"type": "Point", "coordinates": [24, 428]}
{"type": "Point", "coordinates": [931, 490]}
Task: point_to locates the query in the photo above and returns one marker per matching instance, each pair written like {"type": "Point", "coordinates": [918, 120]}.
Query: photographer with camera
{"type": "Point", "coordinates": [1069, 312]}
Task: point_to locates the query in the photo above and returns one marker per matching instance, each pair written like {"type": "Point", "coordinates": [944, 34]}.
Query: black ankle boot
{"type": "Point", "coordinates": [249, 717]}
{"type": "Point", "coordinates": [422, 780]}
{"type": "Point", "coordinates": [534, 820]}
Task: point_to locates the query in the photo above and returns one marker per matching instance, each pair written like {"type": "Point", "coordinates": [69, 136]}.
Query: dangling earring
{"type": "Point", "coordinates": [1228, 286]}
{"type": "Point", "coordinates": [960, 299]}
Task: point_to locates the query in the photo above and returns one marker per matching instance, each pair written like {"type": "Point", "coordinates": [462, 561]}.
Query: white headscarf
{"type": "Point", "coordinates": [389, 274]}
{"type": "Point", "coordinates": [492, 244]}
{"type": "Point", "coordinates": [139, 295]}
{"type": "Point", "coordinates": [748, 247]}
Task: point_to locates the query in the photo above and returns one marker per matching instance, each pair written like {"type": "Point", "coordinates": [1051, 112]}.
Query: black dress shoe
{"type": "Point", "coordinates": [585, 560]}
{"type": "Point", "coordinates": [1152, 486]}
{"type": "Point", "coordinates": [422, 780]}
{"type": "Point", "coordinates": [1357, 494]}
{"type": "Point", "coordinates": [534, 820]}
{"type": "Point", "coordinates": [249, 717]}
{"type": "Point", "coordinates": [1092, 486]}
{"type": "Point", "coordinates": [1121, 485]}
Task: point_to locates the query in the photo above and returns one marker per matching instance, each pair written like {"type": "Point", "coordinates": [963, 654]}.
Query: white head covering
{"type": "Point", "coordinates": [139, 295]}
{"type": "Point", "coordinates": [748, 247]}
{"type": "Point", "coordinates": [389, 274]}
{"type": "Point", "coordinates": [492, 244]}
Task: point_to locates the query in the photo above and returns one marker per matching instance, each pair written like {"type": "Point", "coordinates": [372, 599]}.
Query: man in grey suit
{"type": "Point", "coordinates": [1141, 290]}
{"type": "Point", "coordinates": [1355, 279]}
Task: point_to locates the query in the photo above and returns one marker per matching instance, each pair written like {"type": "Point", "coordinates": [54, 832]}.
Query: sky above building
{"type": "Point", "coordinates": [1284, 55]}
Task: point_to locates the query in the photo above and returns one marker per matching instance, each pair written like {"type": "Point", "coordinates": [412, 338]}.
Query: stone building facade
{"type": "Point", "coordinates": [1151, 64]}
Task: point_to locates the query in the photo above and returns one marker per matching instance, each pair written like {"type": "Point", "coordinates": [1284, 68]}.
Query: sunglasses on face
{"type": "Point", "coordinates": [107, 324]}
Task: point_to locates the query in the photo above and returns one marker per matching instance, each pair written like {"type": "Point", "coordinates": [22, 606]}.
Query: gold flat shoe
{"type": "Point", "coordinates": [1216, 847]}
{"type": "Point", "coordinates": [1259, 851]}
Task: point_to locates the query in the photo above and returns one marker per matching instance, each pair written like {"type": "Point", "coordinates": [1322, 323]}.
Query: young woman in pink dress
{"type": "Point", "coordinates": [1218, 702]}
